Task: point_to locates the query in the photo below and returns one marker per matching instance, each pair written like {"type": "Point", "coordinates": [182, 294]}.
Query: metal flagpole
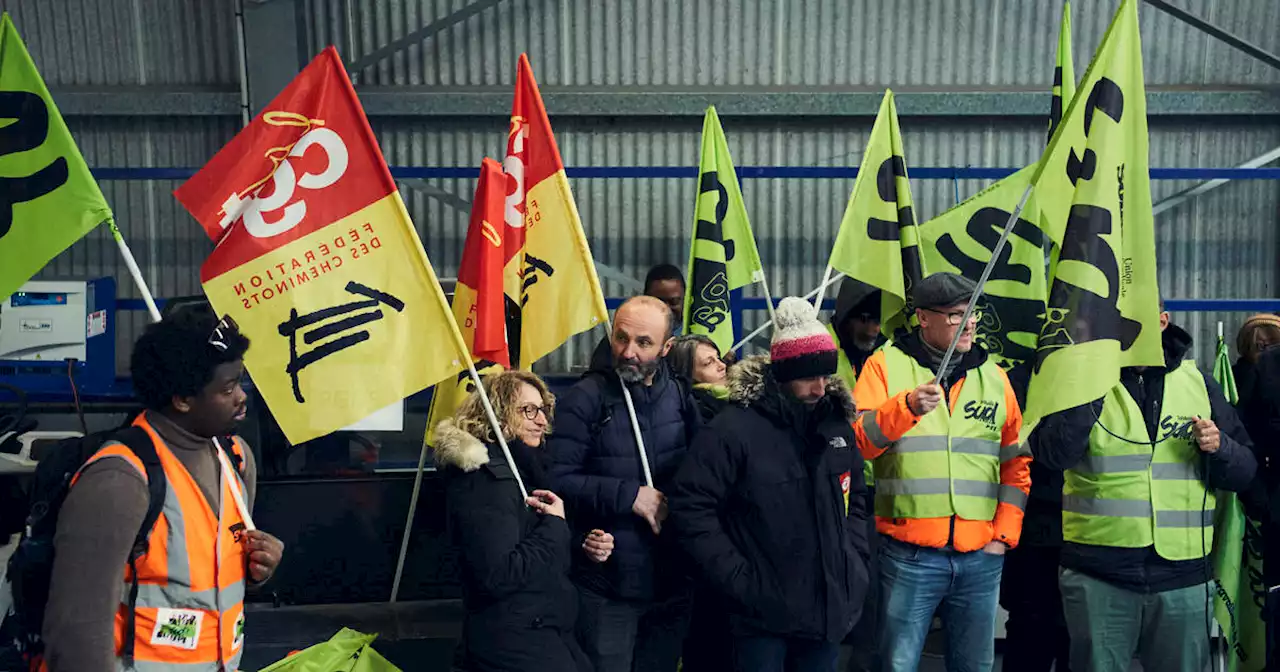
{"type": "Point", "coordinates": [827, 282]}
{"type": "Point", "coordinates": [982, 281]}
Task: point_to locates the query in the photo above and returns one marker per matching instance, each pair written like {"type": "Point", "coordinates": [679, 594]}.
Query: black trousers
{"type": "Point", "coordinates": [1036, 633]}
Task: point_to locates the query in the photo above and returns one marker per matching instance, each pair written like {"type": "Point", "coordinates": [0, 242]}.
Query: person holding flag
{"type": "Point", "coordinates": [1141, 467]}
{"type": "Point", "coordinates": [515, 552]}
{"type": "Point", "coordinates": [951, 479]}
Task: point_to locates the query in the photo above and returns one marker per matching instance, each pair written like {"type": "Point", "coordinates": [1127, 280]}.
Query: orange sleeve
{"type": "Point", "coordinates": [1015, 473]}
{"type": "Point", "coordinates": [882, 419]}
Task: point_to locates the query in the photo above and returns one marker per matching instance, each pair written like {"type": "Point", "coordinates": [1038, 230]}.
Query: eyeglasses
{"type": "Point", "coordinates": [954, 318]}
{"type": "Point", "coordinates": [222, 333]}
{"type": "Point", "coordinates": [531, 411]}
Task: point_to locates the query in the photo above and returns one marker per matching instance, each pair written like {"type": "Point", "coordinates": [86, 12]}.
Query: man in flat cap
{"type": "Point", "coordinates": [951, 479]}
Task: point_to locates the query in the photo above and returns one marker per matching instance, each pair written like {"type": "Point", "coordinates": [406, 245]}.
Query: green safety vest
{"type": "Point", "coordinates": [844, 370]}
{"type": "Point", "coordinates": [1133, 493]}
{"type": "Point", "coordinates": [946, 466]}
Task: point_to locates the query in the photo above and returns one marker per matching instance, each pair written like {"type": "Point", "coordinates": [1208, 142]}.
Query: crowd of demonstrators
{"type": "Point", "coordinates": [186, 371]}
{"type": "Point", "coordinates": [951, 480]}
{"type": "Point", "coordinates": [634, 608]}
{"type": "Point", "coordinates": [1140, 469]}
{"type": "Point", "coordinates": [521, 609]}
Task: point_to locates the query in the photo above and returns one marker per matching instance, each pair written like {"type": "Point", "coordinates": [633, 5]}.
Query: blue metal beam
{"type": "Point", "coordinates": [745, 172]}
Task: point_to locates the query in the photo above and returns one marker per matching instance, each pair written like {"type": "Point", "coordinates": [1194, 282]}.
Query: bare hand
{"type": "Point", "coordinates": [598, 545]}
{"type": "Point", "coordinates": [652, 506]}
{"type": "Point", "coordinates": [265, 552]}
{"type": "Point", "coordinates": [924, 398]}
{"type": "Point", "coordinates": [1207, 435]}
{"type": "Point", "coordinates": [995, 548]}
{"type": "Point", "coordinates": [547, 503]}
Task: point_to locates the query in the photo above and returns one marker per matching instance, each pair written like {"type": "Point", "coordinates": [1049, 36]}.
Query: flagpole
{"type": "Point", "coordinates": [827, 282]}
{"type": "Point", "coordinates": [768, 298]}
{"type": "Point", "coordinates": [982, 281]}
{"type": "Point", "coordinates": [822, 288]}
{"type": "Point", "coordinates": [134, 271]}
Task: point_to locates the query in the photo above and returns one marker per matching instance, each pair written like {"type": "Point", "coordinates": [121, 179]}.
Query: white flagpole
{"type": "Point", "coordinates": [827, 281]}
{"type": "Point", "coordinates": [134, 272]}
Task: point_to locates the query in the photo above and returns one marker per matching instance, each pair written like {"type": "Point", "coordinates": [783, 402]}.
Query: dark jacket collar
{"type": "Point", "coordinates": [1176, 343]}
{"type": "Point", "coordinates": [751, 385]}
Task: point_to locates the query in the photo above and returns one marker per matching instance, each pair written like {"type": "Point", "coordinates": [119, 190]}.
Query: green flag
{"type": "Point", "coordinates": [346, 651]}
{"type": "Point", "coordinates": [1094, 194]}
{"type": "Point", "coordinates": [879, 242]}
{"type": "Point", "coordinates": [1236, 560]}
{"type": "Point", "coordinates": [962, 239]}
{"type": "Point", "coordinates": [1064, 73]}
{"type": "Point", "coordinates": [722, 251]}
{"type": "Point", "coordinates": [48, 199]}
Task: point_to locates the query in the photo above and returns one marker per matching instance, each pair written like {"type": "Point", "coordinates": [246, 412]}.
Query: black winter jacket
{"type": "Point", "coordinates": [595, 467]}
{"type": "Point", "coordinates": [1061, 441]}
{"type": "Point", "coordinates": [520, 605]}
{"type": "Point", "coordinates": [759, 505]}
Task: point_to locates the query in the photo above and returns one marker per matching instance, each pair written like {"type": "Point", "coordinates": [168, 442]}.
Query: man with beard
{"type": "Point", "coordinates": [634, 608]}
{"type": "Point", "coordinates": [769, 503]}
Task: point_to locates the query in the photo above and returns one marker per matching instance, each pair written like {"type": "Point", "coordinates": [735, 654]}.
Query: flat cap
{"type": "Point", "coordinates": [941, 290]}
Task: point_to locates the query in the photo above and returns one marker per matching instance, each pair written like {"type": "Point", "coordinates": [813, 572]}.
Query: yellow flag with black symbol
{"type": "Point", "coordinates": [1064, 72]}
{"type": "Point", "coordinates": [962, 239]}
{"type": "Point", "coordinates": [878, 242]}
{"type": "Point", "coordinates": [722, 252]}
{"type": "Point", "coordinates": [48, 198]}
{"type": "Point", "coordinates": [1094, 193]}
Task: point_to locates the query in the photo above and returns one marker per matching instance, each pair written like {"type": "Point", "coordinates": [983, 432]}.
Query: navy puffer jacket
{"type": "Point", "coordinates": [596, 468]}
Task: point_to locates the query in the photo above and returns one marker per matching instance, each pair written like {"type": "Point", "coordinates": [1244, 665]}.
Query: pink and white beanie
{"type": "Point", "coordinates": [802, 347]}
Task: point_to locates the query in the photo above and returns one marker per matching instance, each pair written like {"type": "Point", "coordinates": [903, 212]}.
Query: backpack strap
{"type": "Point", "coordinates": [140, 443]}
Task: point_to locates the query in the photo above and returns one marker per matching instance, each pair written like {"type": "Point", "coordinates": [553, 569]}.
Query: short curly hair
{"type": "Point", "coordinates": [174, 357]}
{"type": "Point", "coordinates": [503, 389]}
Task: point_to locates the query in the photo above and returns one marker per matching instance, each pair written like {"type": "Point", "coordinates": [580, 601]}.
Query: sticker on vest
{"type": "Point", "coordinates": [178, 628]}
{"type": "Point", "coordinates": [984, 412]}
{"type": "Point", "coordinates": [239, 638]}
{"type": "Point", "coordinates": [837, 443]}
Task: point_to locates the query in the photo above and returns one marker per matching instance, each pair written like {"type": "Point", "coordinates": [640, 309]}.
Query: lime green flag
{"type": "Point", "coordinates": [347, 651]}
{"type": "Point", "coordinates": [722, 251]}
{"type": "Point", "coordinates": [962, 239]}
{"type": "Point", "coordinates": [879, 242]}
{"type": "Point", "coordinates": [1094, 194]}
{"type": "Point", "coordinates": [48, 199]}
{"type": "Point", "coordinates": [1064, 73]}
{"type": "Point", "coordinates": [1236, 558]}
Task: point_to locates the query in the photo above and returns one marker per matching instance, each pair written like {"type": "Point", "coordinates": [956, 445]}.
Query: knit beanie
{"type": "Point", "coordinates": [802, 347]}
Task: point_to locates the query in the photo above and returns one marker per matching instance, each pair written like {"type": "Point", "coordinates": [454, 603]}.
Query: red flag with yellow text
{"type": "Point", "coordinates": [478, 300]}
{"type": "Point", "coordinates": [318, 262]}
{"type": "Point", "coordinates": [550, 272]}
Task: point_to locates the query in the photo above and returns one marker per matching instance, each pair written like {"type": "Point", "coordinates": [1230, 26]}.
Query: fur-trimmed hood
{"type": "Point", "coordinates": [750, 381]}
{"type": "Point", "coordinates": [456, 448]}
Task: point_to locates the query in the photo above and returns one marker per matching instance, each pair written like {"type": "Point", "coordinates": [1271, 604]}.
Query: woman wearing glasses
{"type": "Point", "coordinates": [514, 553]}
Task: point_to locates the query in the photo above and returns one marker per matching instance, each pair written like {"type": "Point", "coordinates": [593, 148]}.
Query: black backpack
{"type": "Point", "coordinates": [31, 566]}
{"type": "Point", "coordinates": [30, 569]}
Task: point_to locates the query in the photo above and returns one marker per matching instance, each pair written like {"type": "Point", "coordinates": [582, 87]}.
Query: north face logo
{"type": "Point", "coordinates": [837, 443]}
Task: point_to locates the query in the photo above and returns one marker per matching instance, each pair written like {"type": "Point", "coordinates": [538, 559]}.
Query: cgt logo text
{"type": "Point", "coordinates": [984, 412]}
{"type": "Point", "coordinates": [1176, 427]}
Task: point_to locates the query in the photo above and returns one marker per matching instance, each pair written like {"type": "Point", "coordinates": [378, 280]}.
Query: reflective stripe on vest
{"type": "Point", "coordinates": [946, 465]}
{"type": "Point", "coordinates": [189, 614]}
{"type": "Point", "coordinates": [1127, 494]}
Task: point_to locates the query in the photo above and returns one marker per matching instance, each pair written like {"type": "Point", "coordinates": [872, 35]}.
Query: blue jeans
{"type": "Point", "coordinates": [914, 581]}
{"type": "Point", "coordinates": [784, 654]}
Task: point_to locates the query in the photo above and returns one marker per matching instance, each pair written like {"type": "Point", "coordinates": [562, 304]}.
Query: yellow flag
{"type": "Point", "coordinates": [1064, 72]}
{"type": "Point", "coordinates": [878, 242]}
{"type": "Point", "coordinates": [559, 291]}
{"type": "Point", "coordinates": [1094, 192]}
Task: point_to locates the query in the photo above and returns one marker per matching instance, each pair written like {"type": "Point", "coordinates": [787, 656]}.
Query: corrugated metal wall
{"type": "Point", "coordinates": [1220, 245]}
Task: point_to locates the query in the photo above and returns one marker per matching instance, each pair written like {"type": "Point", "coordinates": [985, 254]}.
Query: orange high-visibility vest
{"type": "Point", "coordinates": [191, 579]}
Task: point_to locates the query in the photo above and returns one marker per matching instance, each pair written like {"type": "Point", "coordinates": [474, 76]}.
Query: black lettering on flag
{"type": "Point", "coordinates": [1107, 97]}
{"type": "Point", "coordinates": [888, 230]}
{"type": "Point", "coordinates": [28, 131]}
{"type": "Point", "coordinates": [296, 323]}
{"type": "Point", "coordinates": [529, 275]}
{"type": "Point", "coordinates": [709, 281]}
